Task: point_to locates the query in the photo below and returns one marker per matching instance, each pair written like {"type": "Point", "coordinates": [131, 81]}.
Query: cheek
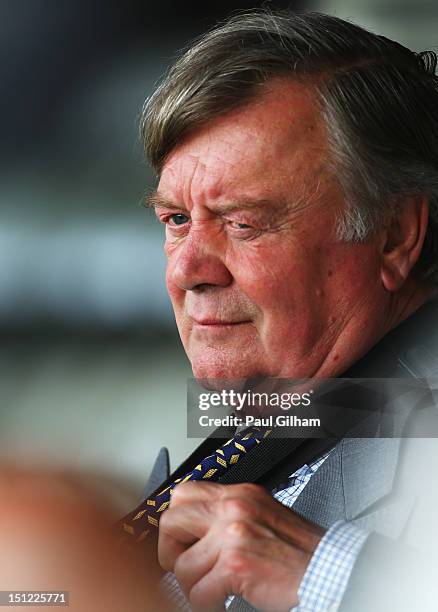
{"type": "Point", "coordinates": [354, 270]}
{"type": "Point", "coordinates": [278, 281]}
{"type": "Point", "coordinates": [175, 293]}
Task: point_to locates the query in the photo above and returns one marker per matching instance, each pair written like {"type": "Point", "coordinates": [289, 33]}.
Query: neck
{"type": "Point", "coordinates": [414, 294]}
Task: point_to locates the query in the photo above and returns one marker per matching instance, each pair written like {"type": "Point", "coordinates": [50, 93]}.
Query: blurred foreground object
{"type": "Point", "coordinates": [56, 534]}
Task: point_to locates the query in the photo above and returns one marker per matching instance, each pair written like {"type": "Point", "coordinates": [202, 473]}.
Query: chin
{"type": "Point", "coordinates": [221, 374]}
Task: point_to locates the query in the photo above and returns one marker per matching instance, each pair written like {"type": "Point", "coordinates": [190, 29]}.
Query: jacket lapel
{"type": "Point", "coordinates": [322, 500]}
{"type": "Point", "coordinates": [357, 475]}
{"type": "Point", "coordinates": [368, 472]}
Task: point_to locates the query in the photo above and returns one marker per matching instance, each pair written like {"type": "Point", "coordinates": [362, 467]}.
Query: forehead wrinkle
{"type": "Point", "coordinates": [195, 182]}
{"type": "Point", "coordinates": [197, 169]}
{"type": "Point", "coordinates": [203, 184]}
{"type": "Point", "coordinates": [200, 173]}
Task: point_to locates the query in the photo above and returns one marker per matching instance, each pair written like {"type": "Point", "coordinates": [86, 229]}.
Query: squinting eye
{"type": "Point", "coordinates": [243, 231]}
{"type": "Point", "coordinates": [179, 219]}
{"type": "Point", "coordinates": [240, 226]}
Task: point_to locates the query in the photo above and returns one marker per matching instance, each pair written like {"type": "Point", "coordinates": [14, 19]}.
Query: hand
{"type": "Point", "coordinates": [235, 539]}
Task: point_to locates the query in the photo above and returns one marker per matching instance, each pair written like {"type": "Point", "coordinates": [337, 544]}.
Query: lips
{"type": "Point", "coordinates": [217, 322]}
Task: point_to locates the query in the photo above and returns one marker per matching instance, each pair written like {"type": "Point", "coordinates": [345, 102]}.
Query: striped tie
{"type": "Point", "coordinates": [144, 520]}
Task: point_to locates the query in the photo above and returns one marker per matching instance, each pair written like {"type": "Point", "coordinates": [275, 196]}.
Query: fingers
{"type": "Point", "coordinates": [212, 590]}
{"type": "Point", "coordinates": [187, 520]}
{"type": "Point", "coordinates": [198, 560]}
{"type": "Point", "coordinates": [195, 491]}
{"type": "Point", "coordinates": [195, 507]}
{"type": "Point", "coordinates": [264, 571]}
{"type": "Point", "coordinates": [233, 571]}
{"type": "Point", "coordinates": [230, 540]}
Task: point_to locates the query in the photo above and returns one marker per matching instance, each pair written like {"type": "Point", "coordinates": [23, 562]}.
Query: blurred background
{"type": "Point", "coordinates": [92, 375]}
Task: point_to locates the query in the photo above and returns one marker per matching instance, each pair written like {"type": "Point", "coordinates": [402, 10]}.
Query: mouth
{"type": "Point", "coordinates": [218, 323]}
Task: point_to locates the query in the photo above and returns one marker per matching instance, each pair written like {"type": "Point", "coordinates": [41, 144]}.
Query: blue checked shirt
{"type": "Point", "coordinates": [327, 574]}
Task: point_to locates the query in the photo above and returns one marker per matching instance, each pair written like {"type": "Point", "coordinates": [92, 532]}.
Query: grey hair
{"type": "Point", "coordinates": [379, 101]}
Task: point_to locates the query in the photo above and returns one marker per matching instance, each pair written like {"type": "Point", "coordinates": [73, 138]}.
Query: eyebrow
{"type": "Point", "coordinates": [157, 200]}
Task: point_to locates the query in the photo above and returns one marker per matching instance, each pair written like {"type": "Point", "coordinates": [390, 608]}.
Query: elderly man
{"type": "Point", "coordinates": [297, 158]}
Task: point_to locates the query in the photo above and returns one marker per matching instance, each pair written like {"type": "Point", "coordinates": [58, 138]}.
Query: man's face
{"type": "Point", "coordinates": [259, 283]}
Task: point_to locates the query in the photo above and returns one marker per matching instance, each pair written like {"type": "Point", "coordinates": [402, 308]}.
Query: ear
{"type": "Point", "coordinates": [402, 242]}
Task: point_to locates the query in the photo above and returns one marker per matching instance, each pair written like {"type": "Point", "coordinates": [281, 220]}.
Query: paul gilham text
{"type": "Point", "coordinates": [280, 420]}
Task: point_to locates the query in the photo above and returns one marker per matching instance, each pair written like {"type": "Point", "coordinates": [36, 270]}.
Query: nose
{"type": "Point", "coordinates": [197, 263]}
